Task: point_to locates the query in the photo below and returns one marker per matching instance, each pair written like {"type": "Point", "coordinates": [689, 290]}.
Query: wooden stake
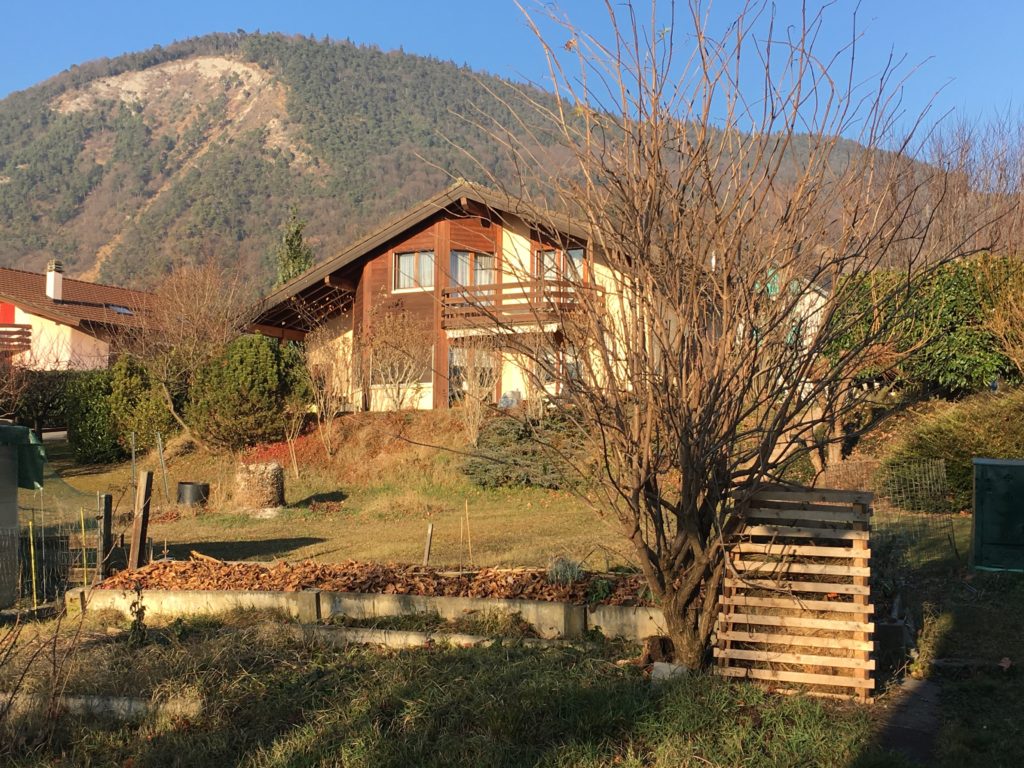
{"type": "Point", "coordinates": [32, 556]}
{"type": "Point", "coordinates": [469, 535]}
{"type": "Point", "coordinates": [461, 539]}
{"type": "Point", "coordinates": [105, 541]}
{"type": "Point", "coordinates": [85, 559]}
{"type": "Point", "coordinates": [140, 527]}
{"type": "Point", "coordinates": [426, 549]}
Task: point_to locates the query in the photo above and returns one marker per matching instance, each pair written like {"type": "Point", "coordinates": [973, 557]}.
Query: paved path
{"type": "Point", "coordinates": [914, 722]}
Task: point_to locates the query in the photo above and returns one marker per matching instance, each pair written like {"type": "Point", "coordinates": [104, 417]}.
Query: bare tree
{"type": "Point", "coordinates": [187, 323]}
{"type": "Point", "coordinates": [477, 368]}
{"type": "Point", "coordinates": [397, 349]}
{"type": "Point", "coordinates": [729, 229]}
{"type": "Point", "coordinates": [328, 365]}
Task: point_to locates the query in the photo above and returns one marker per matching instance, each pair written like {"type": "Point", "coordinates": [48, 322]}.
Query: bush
{"type": "Point", "coordinates": [92, 429]}
{"type": "Point", "coordinates": [944, 326]}
{"type": "Point", "coordinates": [239, 399]}
{"type": "Point", "coordinates": [987, 425]}
{"type": "Point", "coordinates": [137, 405]}
{"type": "Point", "coordinates": [515, 452]}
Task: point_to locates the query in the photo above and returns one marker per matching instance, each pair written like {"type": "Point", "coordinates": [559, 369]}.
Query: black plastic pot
{"type": "Point", "coordinates": [193, 494]}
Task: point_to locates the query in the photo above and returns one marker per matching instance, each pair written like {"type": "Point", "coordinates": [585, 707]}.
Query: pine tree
{"type": "Point", "coordinates": [294, 256]}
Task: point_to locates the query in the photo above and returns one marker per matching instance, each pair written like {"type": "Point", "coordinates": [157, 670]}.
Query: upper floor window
{"type": "Point", "coordinates": [470, 268]}
{"type": "Point", "coordinates": [555, 265]}
{"type": "Point", "coordinates": [414, 271]}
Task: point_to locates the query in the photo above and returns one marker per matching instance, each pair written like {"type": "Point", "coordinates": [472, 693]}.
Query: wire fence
{"type": "Point", "coordinates": [53, 546]}
{"type": "Point", "coordinates": [912, 525]}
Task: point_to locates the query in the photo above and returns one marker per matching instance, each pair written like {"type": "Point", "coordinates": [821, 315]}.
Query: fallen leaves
{"type": "Point", "coordinates": [207, 573]}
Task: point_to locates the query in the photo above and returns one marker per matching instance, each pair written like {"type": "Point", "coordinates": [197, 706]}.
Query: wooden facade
{"type": "Point", "coordinates": [484, 271]}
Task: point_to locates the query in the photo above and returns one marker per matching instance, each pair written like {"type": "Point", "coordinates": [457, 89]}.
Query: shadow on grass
{"type": "Point", "coordinates": [504, 706]}
{"type": "Point", "coordinates": [969, 708]}
{"type": "Point", "coordinates": [321, 498]}
{"type": "Point", "coordinates": [258, 549]}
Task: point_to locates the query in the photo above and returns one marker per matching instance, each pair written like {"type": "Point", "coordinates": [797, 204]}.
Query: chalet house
{"type": "Point", "coordinates": [48, 321]}
{"type": "Point", "coordinates": [440, 262]}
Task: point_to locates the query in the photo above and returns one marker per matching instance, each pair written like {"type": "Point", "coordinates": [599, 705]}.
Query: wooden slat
{"type": "Point", "coordinates": [787, 585]}
{"type": "Point", "coordinates": [797, 550]}
{"type": "Point", "coordinates": [817, 495]}
{"type": "Point", "coordinates": [830, 516]}
{"type": "Point", "coordinates": [792, 603]}
{"type": "Point", "coordinates": [810, 660]}
{"type": "Point", "coordinates": [807, 641]}
{"type": "Point", "coordinates": [781, 675]}
{"type": "Point", "coordinates": [776, 568]}
{"type": "Point", "coordinates": [770, 620]}
{"type": "Point", "coordinates": [783, 531]}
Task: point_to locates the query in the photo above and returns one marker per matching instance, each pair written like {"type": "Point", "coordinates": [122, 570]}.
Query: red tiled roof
{"type": "Point", "coordinates": [82, 304]}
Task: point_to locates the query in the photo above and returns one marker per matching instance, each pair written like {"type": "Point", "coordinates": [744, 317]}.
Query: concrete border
{"type": "Point", "coordinates": [626, 622]}
{"type": "Point", "coordinates": [304, 606]}
{"type": "Point", "coordinates": [551, 620]}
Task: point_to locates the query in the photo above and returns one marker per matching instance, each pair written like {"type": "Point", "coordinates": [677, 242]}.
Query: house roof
{"type": "Point", "coordinates": [315, 280]}
{"type": "Point", "coordinates": [83, 303]}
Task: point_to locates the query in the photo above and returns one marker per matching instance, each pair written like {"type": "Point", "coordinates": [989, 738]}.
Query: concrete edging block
{"type": "Point", "coordinates": [304, 606]}
{"type": "Point", "coordinates": [627, 622]}
{"type": "Point", "coordinates": [550, 620]}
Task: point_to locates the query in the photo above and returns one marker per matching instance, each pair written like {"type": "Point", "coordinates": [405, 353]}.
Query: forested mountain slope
{"type": "Point", "coordinates": [197, 151]}
{"type": "Point", "coordinates": [126, 167]}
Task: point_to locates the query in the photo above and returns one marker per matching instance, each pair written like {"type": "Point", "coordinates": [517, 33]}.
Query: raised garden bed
{"type": "Point", "coordinates": [311, 592]}
{"type": "Point", "coordinates": [384, 579]}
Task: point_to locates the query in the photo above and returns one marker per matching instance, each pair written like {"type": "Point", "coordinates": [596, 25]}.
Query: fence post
{"type": "Point", "coordinates": [140, 527]}
{"type": "Point", "coordinates": [105, 541]}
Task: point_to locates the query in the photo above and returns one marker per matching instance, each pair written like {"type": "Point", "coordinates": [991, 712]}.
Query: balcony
{"type": "Point", "coordinates": [15, 338]}
{"type": "Point", "coordinates": [538, 302]}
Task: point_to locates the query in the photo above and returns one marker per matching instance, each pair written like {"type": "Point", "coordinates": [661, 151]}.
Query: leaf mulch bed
{"type": "Point", "coordinates": [205, 573]}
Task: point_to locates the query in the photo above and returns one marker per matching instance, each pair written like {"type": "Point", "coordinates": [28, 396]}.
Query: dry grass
{"type": "Point", "coordinates": [371, 501]}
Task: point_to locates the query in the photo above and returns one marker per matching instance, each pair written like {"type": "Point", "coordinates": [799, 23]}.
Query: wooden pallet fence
{"type": "Point", "coordinates": [795, 609]}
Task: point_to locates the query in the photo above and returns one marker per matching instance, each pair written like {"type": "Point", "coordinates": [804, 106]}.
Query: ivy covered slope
{"type": "Point", "coordinates": [125, 167]}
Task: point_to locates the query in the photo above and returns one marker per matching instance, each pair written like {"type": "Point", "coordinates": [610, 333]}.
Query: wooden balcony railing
{"type": "Point", "coordinates": [15, 338]}
{"type": "Point", "coordinates": [532, 303]}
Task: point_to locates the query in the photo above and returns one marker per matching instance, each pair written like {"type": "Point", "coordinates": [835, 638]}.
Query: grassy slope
{"type": "Point", "coordinates": [371, 501]}
{"type": "Point", "coordinates": [270, 701]}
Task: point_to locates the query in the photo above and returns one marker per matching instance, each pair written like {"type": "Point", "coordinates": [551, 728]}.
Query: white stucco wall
{"type": "Point", "coordinates": [55, 345]}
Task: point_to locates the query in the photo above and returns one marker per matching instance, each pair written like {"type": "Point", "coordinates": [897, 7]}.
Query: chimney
{"type": "Point", "coordinates": [55, 280]}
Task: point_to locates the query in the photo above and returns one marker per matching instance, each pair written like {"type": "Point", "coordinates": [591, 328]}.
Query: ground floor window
{"type": "Point", "coordinates": [474, 371]}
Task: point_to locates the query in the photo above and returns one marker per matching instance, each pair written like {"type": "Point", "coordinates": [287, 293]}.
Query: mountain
{"type": "Point", "coordinates": [198, 151]}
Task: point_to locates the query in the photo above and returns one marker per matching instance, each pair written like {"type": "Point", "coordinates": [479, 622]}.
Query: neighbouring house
{"type": "Point", "coordinates": [48, 321]}
{"type": "Point", "coordinates": [457, 261]}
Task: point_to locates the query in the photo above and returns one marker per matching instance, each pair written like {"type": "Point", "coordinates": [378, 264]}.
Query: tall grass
{"type": "Point", "coordinates": [270, 701]}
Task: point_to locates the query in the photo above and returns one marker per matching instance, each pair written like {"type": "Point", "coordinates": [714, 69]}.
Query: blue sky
{"type": "Point", "coordinates": [970, 54]}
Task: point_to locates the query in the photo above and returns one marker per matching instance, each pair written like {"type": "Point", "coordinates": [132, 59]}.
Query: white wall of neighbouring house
{"type": "Point", "coordinates": [59, 346]}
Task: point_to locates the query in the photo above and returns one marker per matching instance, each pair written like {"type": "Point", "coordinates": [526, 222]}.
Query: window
{"type": "Point", "coordinates": [547, 265]}
{"type": "Point", "coordinates": [414, 271]}
{"type": "Point", "coordinates": [555, 265]}
{"type": "Point", "coordinates": [470, 268]}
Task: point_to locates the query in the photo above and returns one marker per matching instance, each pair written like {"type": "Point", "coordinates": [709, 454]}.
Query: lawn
{"type": "Point", "coordinates": [372, 500]}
